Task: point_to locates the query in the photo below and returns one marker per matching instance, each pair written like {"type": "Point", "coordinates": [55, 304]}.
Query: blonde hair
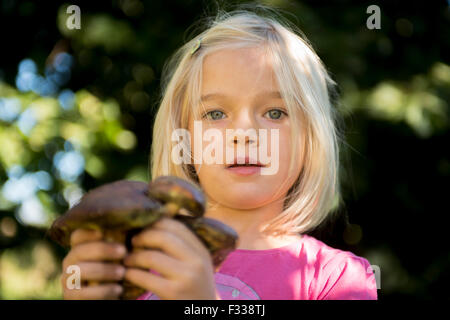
{"type": "Point", "coordinates": [304, 83]}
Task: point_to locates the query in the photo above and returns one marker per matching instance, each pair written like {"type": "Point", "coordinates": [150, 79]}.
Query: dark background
{"type": "Point", "coordinates": [94, 93]}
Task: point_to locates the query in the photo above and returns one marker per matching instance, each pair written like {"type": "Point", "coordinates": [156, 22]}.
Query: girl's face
{"type": "Point", "coordinates": [242, 78]}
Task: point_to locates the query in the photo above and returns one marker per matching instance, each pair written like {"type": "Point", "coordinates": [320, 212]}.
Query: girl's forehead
{"type": "Point", "coordinates": [237, 73]}
{"type": "Point", "coordinates": [225, 61]}
{"type": "Point", "coordinates": [238, 56]}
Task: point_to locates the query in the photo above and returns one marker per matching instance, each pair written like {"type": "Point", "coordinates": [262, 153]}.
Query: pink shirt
{"type": "Point", "coordinates": [307, 269]}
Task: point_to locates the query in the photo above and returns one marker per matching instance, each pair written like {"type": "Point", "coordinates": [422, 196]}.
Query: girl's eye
{"type": "Point", "coordinates": [214, 115]}
{"type": "Point", "coordinates": [275, 114]}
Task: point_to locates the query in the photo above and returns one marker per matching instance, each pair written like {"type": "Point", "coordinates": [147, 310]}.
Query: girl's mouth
{"type": "Point", "coordinates": [244, 169]}
{"type": "Point", "coordinates": [245, 166]}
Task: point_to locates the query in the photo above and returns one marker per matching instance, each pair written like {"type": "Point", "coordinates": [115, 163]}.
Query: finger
{"type": "Point", "coordinates": [165, 241]}
{"type": "Point", "coordinates": [95, 251]}
{"type": "Point", "coordinates": [155, 260]}
{"type": "Point", "coordinates": [84, 235]}
{"type": "Point", "coordinates": [183, 232]}
{"type": "Point", "coordinates": [98, 292]}
{"type": "Point", "coordinates": [150, 282]}
{"type": "Point", "coordinates": [101, 271]}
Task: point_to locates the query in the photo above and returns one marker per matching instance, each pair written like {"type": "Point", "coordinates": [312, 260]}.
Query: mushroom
{"type": "Point", "coordinates": [123, 208]}
{"type": "Point", "coordinates": [178, 193]}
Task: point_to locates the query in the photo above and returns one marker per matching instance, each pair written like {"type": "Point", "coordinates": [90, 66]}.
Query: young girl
{"type": "Point", "coordinates": [246, 71]}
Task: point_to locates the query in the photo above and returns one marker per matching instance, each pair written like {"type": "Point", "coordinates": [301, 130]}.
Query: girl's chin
{"type": "Point", "coordinates": [242, 205]}
{"type": "Point", "coordinates": [244, 200]}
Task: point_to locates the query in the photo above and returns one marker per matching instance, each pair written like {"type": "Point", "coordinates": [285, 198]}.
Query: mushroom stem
{"type": "Point", "coordinates": [109, 236]}
{"type": "Point", "coordinates": [170, 209]}
{"type": "Point", "coordinates": [114, 236]}
{"type": "Point", "coordinates": [130, 291]}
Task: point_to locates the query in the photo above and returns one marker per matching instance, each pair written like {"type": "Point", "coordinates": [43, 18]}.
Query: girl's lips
{"type": "Point", "coordinates": [245, 170]}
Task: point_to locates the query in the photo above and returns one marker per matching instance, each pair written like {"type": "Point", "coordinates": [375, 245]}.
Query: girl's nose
{"type": "Point", "coordinates": [244, 131]}
{"type": "Point", "coordinates": [240, 139]}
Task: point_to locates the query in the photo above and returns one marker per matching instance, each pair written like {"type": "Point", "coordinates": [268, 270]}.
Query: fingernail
{"type": "Point", "coordinates": [120, 271]}
{"type": "Point", "coordinates": [121, 250]}
{"type": "Point", "coordinates": [118, 289]}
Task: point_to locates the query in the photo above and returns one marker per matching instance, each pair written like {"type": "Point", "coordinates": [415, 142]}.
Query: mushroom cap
{"type": "Point", "coordinates": [122, 205]}
{"type": "Point", "coordinates": [179, 191]}
{"type": "Point", "coordinates": [219, 238]}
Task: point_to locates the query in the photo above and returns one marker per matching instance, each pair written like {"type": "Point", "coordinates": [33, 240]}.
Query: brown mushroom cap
{"type": "Point", "coordinates": [171, 189]}
{"type": "Point", "coordinates": [122, 205]}
{"type": "Point", "coordinates": [219, 238]}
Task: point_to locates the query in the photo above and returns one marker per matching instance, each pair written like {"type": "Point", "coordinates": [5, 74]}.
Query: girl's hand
{"type": "Point", "coordinates": [95, 258]}
{"type": "Point", "coordinates": [184, 264]}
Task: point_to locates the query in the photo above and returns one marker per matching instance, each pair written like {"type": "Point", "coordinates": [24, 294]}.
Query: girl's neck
{"type": "Point", "coordinates": [248, 225]}
{"type": "Point", "coordinates": [267, 242]}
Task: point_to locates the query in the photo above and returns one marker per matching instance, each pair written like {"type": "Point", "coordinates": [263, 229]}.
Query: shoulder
{"type": "Point", "coordinates": [339, 275]}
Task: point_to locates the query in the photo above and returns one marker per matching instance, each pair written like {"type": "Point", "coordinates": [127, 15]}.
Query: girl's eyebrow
{"type": "Point", "coordinates": [267, 94]}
